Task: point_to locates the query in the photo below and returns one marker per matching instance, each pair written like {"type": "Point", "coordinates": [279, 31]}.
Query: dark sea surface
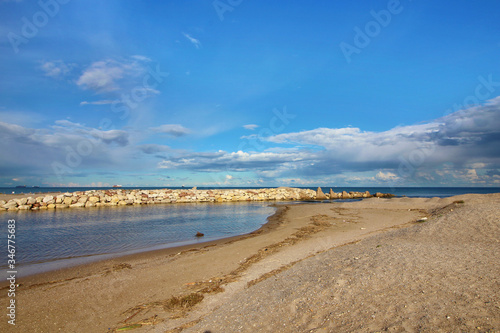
{"type": "Point", "coordinates": [426, 192]}
{"type": "Point", "coordinates": [47, 240]}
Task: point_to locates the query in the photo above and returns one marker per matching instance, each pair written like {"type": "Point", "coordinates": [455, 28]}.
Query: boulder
{"type": "Point", "coordinates": [320, 195]}
{"type": "Point", "coordinates": [10, 204]}
{"type": "Point", "coordinates": [93, 200]}
{"type": "Point", "coordinates": [83, 199]}
{"type": "Point", "coordinates": [21, 201]}
{"type": "Point", "coordinates": [48, 199]}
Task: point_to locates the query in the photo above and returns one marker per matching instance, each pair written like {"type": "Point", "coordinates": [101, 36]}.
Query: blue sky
{"type": "Point", "coordinates": [249, 93]}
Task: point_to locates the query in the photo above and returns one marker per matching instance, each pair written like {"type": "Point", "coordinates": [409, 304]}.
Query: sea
{"type": "Point", "coordinates": [426, 192]}
{"type": "Point", "coordinates": [48, 240]}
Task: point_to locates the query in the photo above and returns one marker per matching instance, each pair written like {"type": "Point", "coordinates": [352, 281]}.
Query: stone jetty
{"type": "Point", "coordinates": [123, 197]}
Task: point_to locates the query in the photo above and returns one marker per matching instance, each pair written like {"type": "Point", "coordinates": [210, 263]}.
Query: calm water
{"type": "Point", "coordinates": [46, 236]}
{"type": "Point", "coordinates": [47, 240]}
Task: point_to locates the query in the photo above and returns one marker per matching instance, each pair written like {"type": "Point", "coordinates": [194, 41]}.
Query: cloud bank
{"type": "Point", "coordinates": [462, 148]}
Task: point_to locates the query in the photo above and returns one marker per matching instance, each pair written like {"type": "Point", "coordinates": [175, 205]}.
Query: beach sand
{"type": "Point", "coordinates": [361, 266]}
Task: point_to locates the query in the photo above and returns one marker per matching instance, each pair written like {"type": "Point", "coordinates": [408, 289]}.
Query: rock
{"type": "Point", "coordinates": [199, 234]}
{"type": "Point", "coordinates": [94, 199]}
{"type": "Point", "coordinates": [320, 195]}
{"type": "Point", "coordinates": [24, 207]}
{"type": "Point", "coordinates": [10, 204]}
{"type": "Point", "coordinates": [367, 194]}
{"type": "Point", "coordinates": [60, 198]}
{"type": "Point", "coordinates": [51, 206]}
{"type": "Point", "coordinates": [31, 201]}
{"type": "Point", "coordinates": [77, 205]}
{"type": "Point", "coordinates": [59, 206]}
{"type": "Point", "coordinates": [48, 199]}
{"type": "Point", "coordinates": [68, 200]}
{"type": "Point", "coordinates": [345, 195]}
{"type": "Point", "coordinates": [83, 199]}
{"type": "Point", "coordinates": [22, 201]}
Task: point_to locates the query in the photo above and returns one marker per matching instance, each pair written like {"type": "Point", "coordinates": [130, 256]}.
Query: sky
{"type": "Point", "coordinates": [249, 93]}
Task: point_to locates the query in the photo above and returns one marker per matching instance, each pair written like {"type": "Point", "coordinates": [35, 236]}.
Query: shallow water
{"type": "Point", "coordinates": [47, 236]}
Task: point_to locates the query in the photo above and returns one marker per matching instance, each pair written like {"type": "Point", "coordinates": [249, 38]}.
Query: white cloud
{"type": "Point", "coordinates": [102, 102]}
{"type": "Point", "coordinates": [141, 58]}
{"type": "Point", "coordinates": [102, 76]}
{"type": "Point", "coordinates": [111, 75]}
{"type": "Point", "coordinates": [57, 68]}
{"type": "Point", "coordinates": [388, 176]}
{"type": "Point", "coordinates": [193, 40]}
{"type": "Point", "coordinates": [174, 130]}
{"type": "Point", "coordinates": [250, 127]}
{"type": "Point", "coordinates": [466, 139]}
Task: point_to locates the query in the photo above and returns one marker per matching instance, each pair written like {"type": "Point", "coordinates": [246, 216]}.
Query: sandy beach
{"type": "Point", "coordinates": [365, 266]}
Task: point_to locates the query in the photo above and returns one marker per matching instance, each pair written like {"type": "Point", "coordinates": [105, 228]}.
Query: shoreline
{"type": "Point", "coordinates": [271, 223]}
{"type": "Point", "coordinates": [136, 290]}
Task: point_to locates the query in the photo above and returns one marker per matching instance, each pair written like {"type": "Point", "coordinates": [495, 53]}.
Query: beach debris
{"type": "Point", "coordinates": [422, 219]}
{"type": "Point", "coordinates": [121, 266]}
{"type": "Point", "coordinates": [128, 327]}
{"type": "Point", "coordinates": [199, 234]}
{"type": "Point", "coordinates": [183, 302]}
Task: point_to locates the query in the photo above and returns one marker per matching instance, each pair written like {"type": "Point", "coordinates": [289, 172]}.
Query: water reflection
{"type": "Point", "coordinates": [43, 236]}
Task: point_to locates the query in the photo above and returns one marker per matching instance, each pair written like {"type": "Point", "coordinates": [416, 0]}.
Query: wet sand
{"type": "Point", "coordinates": [358, 266]}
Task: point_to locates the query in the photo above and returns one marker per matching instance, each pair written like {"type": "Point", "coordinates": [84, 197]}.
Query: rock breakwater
{"type": "Point", "coordinates": [122, 197]}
